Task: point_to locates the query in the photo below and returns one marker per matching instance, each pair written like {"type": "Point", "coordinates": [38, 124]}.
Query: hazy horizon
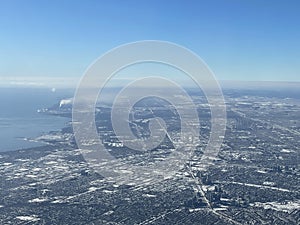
{"type": "Point", "coordinates": [63, 83]}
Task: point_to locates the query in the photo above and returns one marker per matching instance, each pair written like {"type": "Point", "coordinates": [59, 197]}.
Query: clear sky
{"type": "Point", "coordinates": [238, 39]}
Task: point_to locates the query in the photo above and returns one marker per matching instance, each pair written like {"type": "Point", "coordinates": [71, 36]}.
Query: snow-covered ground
{"type": "Point", "coordinates": [285, 207]}
{"type": "Point", "coordinates": [32, 218]}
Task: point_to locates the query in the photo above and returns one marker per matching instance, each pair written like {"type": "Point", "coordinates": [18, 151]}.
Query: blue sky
{"type": "Point", "coordinates": [239, 40]}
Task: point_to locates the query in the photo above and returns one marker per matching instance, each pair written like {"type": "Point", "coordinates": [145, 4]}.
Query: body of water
{"type": "Point", "coordinates": [19, 118]}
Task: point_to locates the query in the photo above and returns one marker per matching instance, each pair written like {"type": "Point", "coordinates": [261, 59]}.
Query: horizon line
{"type": "Point", "coordinates": [72, 82]}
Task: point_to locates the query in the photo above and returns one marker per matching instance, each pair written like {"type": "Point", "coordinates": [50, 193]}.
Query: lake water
{"type": "Point", "coordinates": [19, 117]}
